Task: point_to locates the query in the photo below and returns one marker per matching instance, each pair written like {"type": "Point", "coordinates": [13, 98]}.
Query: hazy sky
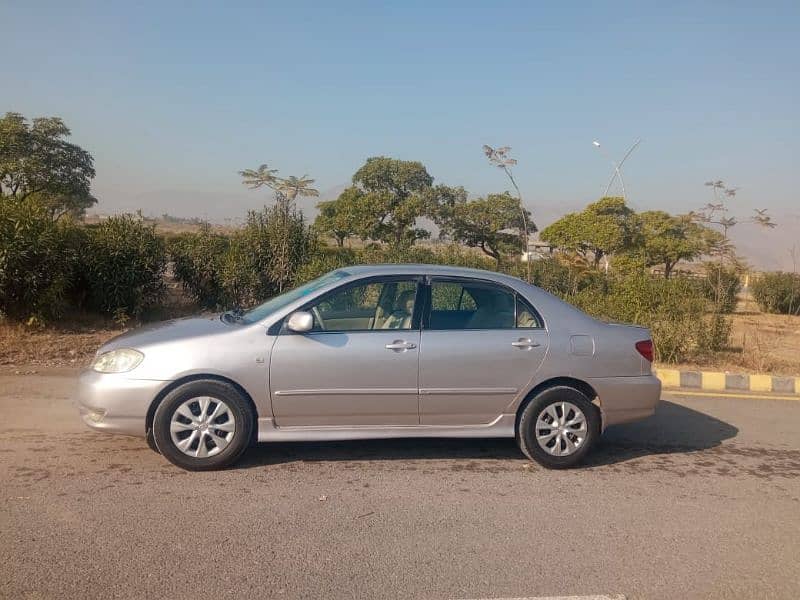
{"type": "Point", "coordinates": [173, 98]}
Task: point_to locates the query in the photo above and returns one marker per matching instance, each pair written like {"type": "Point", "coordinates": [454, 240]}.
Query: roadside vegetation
{"type": "Point", "coordinates": [676, 274]}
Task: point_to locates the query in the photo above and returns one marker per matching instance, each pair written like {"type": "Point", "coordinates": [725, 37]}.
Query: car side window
{"type": "Point", "coordinates": [369, 306]}
{"type": "Point", "coordinates": [478, 305]}
{"type": "Point", "coordinates": [527, 317]}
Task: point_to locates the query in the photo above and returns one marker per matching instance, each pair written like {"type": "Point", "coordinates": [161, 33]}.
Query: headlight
{"type": "Point", "coordinates": [118, 361]}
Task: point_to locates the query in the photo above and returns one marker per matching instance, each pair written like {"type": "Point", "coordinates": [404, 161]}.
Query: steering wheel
{"type": "Point", "coordinates": [318, 318]}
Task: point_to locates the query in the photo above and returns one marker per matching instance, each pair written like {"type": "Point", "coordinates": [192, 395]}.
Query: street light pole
{"type": "Point", "coordinates": [617, 167]}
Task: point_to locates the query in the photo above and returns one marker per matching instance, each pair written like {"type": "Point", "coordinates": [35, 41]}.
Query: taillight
{"type": "Point", "coordinates": [645, 348]}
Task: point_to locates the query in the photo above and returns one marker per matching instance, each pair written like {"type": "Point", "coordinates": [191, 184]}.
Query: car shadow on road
{"type": "Point", "coordinates": [673, 429]}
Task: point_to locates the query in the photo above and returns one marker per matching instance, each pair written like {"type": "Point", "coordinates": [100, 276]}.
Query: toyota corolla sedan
{"type": "Point", "coordinates": [387, 351]}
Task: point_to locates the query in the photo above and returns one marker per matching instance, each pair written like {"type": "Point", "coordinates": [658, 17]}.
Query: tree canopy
{"type": "Point", "coordinates": [38, 165]}
{"type": "Point", "coordinates": [386, 199]}
{"type": "Point", "coordinates": [602, 229]}
{"type": "Point", "coordinates": [491, 224]}
{"type": "Point", "coordinates": [341, 218]}
{"type": "Point", "coordinates": [609, 227]}
{"type": "Point", "coordinates": [287, 189]}
{"type": "Point", "coordinates": [668, 239]}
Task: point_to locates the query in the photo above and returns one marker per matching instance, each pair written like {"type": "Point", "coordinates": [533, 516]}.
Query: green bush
{"type": "Point", "coordinates": [326, 260]}
{"type": "Point", "coordinates": [720, 286]}
{"type": "Point", "coordinates": [37, 262]}
{"type": "Point", "coordinates": [121, 267]}
{"type": "Point", "coordinates": [196, 260]}
{"type": "Point", "coordinates": [713, 333]}
{"type": "Point", "coordinates": [274, 244]}
{"type": "Point", "coordinates": [557, 277]}
{"type": "Point", "coordinates": [675, 310]}
{"type": "Point", "coordinates": [270, 254]}
{"type": "Point", "coordinates": [778, 293]}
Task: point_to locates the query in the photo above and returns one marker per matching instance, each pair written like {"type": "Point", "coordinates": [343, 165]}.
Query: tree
{"type": "Point", "coordinates": [390, 195]}
{"type": "Point", "coordinates": [260, 177]}
{"type": "Point", "coordinates": [487, 223]}
{"type": "Point", "coordinates": [287, 189]}
{"type": "Point", "coordinates": [340, 218]}
{"type": "Point", "coordinates": [38, 165]}
{"type": "Point", "coordinates": [293, 187]}
{"type": "Point", "coordinates": [602, 229]}
{"type": "Point", "coordinates": [716, 213]}
{"type": "Point", "coordinates": [282, 226]}
{"type": "Point", "coordinates": [500, 158]}
{"type": "Point", "coordinates": [669, 239]}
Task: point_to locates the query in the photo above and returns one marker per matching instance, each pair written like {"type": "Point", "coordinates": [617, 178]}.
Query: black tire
{"type": "Point", "coordinates": [526, 430]}
{"type": "Point", "coordinates": [151, 441]}
{"type": "Point", "coordinates": [239, 409]}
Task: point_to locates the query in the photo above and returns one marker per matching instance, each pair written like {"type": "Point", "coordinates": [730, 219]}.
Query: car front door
{"type": "Point", "coordinates": [481, 344]}
{"type": "Point", "coordinates": [359, 365]}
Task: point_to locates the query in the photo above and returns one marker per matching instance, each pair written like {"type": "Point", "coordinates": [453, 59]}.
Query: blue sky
{"type": "Point", "coordinates": [173, 98]}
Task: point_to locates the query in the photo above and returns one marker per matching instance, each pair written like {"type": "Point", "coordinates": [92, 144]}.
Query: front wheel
{"type": "Point", "coordinates": [203, 425]}
{"type": "Point", "coordinates": [558, 428]}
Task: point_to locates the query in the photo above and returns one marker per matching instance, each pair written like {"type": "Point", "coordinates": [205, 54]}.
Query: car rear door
{"type": "Point", "coordinates": [481, 344]}
{"type": "Point", "coordinates": [360, 364]}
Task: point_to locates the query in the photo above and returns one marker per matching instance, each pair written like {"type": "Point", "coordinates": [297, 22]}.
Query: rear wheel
{"type": "Point", "coordinates": [558, 427]}
{"type": "Point", "coordinates": [203, 425]}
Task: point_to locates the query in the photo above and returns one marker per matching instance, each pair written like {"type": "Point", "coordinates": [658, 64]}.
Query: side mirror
{"type": "Point", "coordinates": [300, 322]}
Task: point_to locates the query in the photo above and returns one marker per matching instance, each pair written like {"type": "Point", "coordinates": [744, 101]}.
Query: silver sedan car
{"type": "Point", "coordinates": [386, 351]}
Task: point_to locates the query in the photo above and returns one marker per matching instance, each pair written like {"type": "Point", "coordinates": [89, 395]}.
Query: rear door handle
{"type": "Point", "coordinates": [400, 345]}
{"type": "Point", "coordinates": [525, 343]}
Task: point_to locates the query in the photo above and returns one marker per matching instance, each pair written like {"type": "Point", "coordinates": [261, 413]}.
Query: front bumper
{"type": "Point", "coordinates": [115, 403]}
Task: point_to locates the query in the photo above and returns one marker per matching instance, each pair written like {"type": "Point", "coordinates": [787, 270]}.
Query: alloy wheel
{"type": "Point", "coordinates": [561, 429]}
{"type": "Point", "coordinates": [202, 427]}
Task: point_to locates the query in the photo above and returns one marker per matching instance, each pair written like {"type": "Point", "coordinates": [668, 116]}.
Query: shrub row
{"type": "Point", "coordinates": [260, 260]}
{"type": "Point", "coordinates": [778, 293]}
{"type": "Point", "coordinates": [115, 267]}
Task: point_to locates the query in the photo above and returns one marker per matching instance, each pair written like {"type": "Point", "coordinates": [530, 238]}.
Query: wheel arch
{"type": "Point", "coordinates": [151, 410]}
{"type": "Point", "coordinates": [571, 382]}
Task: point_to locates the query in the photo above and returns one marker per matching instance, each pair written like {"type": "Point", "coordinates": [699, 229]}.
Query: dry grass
{"type": "Point", "coordinates": [760, 343]}
{"type": "Point", "coordinates": [71, 343]}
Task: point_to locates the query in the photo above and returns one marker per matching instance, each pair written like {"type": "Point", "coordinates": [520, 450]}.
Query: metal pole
{"type": "Point", "coordinates": [618, 167]}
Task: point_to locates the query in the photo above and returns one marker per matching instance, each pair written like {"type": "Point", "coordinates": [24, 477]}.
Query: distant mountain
{"type": "Point", "coordinates": [769, 249]}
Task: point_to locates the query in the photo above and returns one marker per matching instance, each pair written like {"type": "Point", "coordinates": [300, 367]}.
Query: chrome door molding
{"type": "Point", "coordinates": [345, 391]}
{"type": "Point", "coordinates": [469, 391]}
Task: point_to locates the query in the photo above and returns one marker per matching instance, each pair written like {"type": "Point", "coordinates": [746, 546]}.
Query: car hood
{"type": "Point", "coordinates": [168, 331]}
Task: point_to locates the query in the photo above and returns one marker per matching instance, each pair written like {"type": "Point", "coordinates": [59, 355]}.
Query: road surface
{"type": "Point", "coordinates": [700, 501]}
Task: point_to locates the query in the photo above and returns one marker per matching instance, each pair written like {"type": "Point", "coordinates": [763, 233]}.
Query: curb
{"type": "Point", "coordinates": [719, 381]}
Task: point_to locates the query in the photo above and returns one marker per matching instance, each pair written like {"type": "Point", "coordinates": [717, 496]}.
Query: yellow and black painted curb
{"type": "Point", "coordinates": [718, 381]}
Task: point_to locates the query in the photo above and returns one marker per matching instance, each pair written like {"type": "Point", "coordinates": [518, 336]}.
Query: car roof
{"type": "Point", "coordinates": [425, 269]}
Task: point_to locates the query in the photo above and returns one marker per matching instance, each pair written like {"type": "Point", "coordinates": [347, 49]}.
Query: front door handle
{"type": "Point", "coordinates": [525, 343]}
{"type": "Point", "coordinates": [401, 345]}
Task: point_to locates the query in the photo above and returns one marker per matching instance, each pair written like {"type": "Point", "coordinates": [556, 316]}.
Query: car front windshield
{"type": "Point", "coordinates": [267, 308]}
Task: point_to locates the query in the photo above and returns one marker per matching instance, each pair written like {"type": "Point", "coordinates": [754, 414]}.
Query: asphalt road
{"type": "Point", "coordinates": [700, 501]}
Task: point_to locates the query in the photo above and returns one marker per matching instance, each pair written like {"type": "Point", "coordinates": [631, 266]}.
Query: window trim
{"type": "Point", "coordinates": [416, 317]}
{"type": "Point", "coordinates": [429, 281]}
